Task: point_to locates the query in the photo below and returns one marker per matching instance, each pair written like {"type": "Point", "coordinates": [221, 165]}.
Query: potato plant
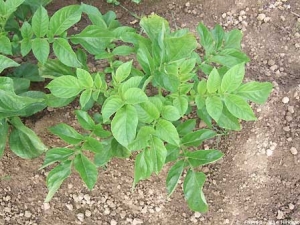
{"type": "Point", "coordinates": [159, 84]}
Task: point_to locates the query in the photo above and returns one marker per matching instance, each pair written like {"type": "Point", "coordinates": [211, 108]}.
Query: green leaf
{"type": "Point", "coordinates": [26, 30]}
{"type": "Point", "coordinates": [29, 71]}
{"type": "Point", "coordinates": [123, 50]}
{"type": "Point", "coordinates": [24, 142]}
{"type": "Point", "coordinates": [218, 36]}
{"type": "Point", "coordinates": [93, 145]}
{"type": "Point", "coordinates": [197, 137]}
{"type": "Point", "coordinates": [40, 22]}
{"type": "Point", "coordinates": [178, 48]}
{"type": "Point", "coordinates": [87, 170]}
{"type": "Point", "coordinates": [5, 45]}
{"type": "Point", "coordinates": [7, 84]}
{"type": "Point", "coordinates": [255, 91]}
{"type": "Point", "coordinates": [25, 46]}
{"type": "Point", "coordinates": [181, 103]}
{"type": "Point", "coordinates": [118, 150]}
{"type": "Point", "coordinates": [67, 133]}
{"type": "Point", "coordinates": [102, 158]}
{"type": "Point", "coordinates": [233, 78]}
{"type": "Point", "coordinates": [170, 113]}
{"type": "Point", "coordinates": [206, 39]}
{"type": "Point", "coordinates": [85, 98]}
{"type": "Point", "coordinates": [153, 25]}
{"type": "Point", "coordinates": [214, 107]}
{"type": "Point", "coordinates": [6, 63]}
{"type": "Point", "coordinates": [147, 112]}
{"type": "Point", "coordinates": [192, 188]}
{"type": "Point", "coordinates": [143, 166]}
{"type": "Point", "coordinates": [111, 105]}
{"type": "Point", "coordinates": [158, 153]}
{"type": "Point", "coordinates": [134, 96]}
{"type": "Point", "coordinates": [55, 68]}
{"type": "Point", "coordinates": [65, 86]}
{"type": "Point", "coordinates": [57, 155]}
{"type": "Point", "coordinates": [238, 107]}
{"type": "Point", "coordinates": [123, 71]}
{"type": "Point", "coordinates": [214, 81]}
{"type": "Point", "coordinates": [3, 135]}
{"type": "Point", "coordinates": [167, 132]}
{"type": "Point", "coordinates": [55, 102]}
{"type": "Point", "coordinates": [145, 59]}
{"type": "Point", "coordinates": [93, 38]}
{"type": "Point", "coordinates": [174, 175]}
{"type": "Point", "coordinates": [202, 87]}
{"type": "Point", "coordinates": [94, 15]}
{"type": "Point", "coordinates": [41, 49]}
{"type": "Point", "coordinates": [124, 124]}
{"type": "Point", "coordinates": [172, 153]}
{"type": "Point", "coordinates": [84, 119]}
{"type": "Point", "coordinates": [167, 81]}
{"type": "Point", "coordinates": [100, 132]}
{"type": "Point", "coordinates": [186, 127]}
{"type": "Point", "coordinates": [228, 121]}
{"type": "Point", "coordinates": [64, 52]}
{"type": "Point", "coordinates": [230, 57]}
{"type": "Point", "coordinates": [142, 138]}
{"type": "Point", "coordinates": [84, 78]}
{"type": "Point", "coordinates": [203, 157]}
{"type": "Point", "coordinates": [56, 177]}
{"type": "Point", "coordinates": [233, 39]}
{"type": "Point", "coordinates": [63, 19]}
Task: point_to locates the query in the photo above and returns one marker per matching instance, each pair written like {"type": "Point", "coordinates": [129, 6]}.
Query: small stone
{"type": "Point", "coordinates": [188, 4]}
{"type": "Point", "coordinates": [197, 214]}
{"type": "Point", "coordinates": [269, 152]}
{"type": "Point", "coordinates": [87, 197]}
{"type": "Point", "coordinates": [274, 67]}
{"type": "Point", "coordinates": [88, 213]}
{"type": "Point", "coordinates": [106, 211]}
{"type": "Point", "coordinates": [282, 18]}
{"type": "Point", "coordinates": [27, 214]}
{"type": "Point", "coordinates": [7, 198]}
{"type": "Point", "coordinates": [261, 17]}
{"type": "Point", "coordinates": [46, 206]}
{"type": "Point", "coordinates": [69, 207]}
{"type": "Point", "coordinates": [113, 222]}
{"type": "Point", "coordinates": [285, 100]}
{"type": "Point", "coordinates": [267, 19]}
{"type": "Point", "coordinates": [137, 221]}
{"type": "Point", "coordinates": [80, 217]}
{"type": "Point", "coordinates": [291, 206]}
{"type": "Point", "coordinates": [271, 62]}
{"type": "Point", "coordinates": [291, 109]}
{"type": "Point", "coordinates": [286, 129]}
{"type": "Point", "coordinates": [280, 215]}
{"type": "Point", "coordinates": [226, 221]}
{"type": "Point", "coordinates": [294, 151]}
{"type": "Point", "coordinates": [157, 209]}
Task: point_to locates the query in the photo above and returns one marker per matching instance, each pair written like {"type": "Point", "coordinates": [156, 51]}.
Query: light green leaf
{"type": "Point", "coordinates": [67, 133]}
{"type": "Point", "coordinates": [174, 175]}
{"type": "Point", "coordinates": [167, 132]}
{"type": "Point", "coordinates": [84, 78]}
{"type": "Point", "coordinates": [123, 71]}
{"type": "Point", "coordinates": [124, 124]}
{"type": "Point", "coordinates": [228, 121]}
{"type": "Point", "coordinates": [214, 81]}
{"type": "Point", "coordinates": [142, 138]}
{"type": "Point", "coordinates": [111, 105]}
{"type": "Point", "coordinates": [65, 86]}
{"type": "Point", "coordinates": [41, 49]}
{"type": "Point", "coordinates": [24, 142]}
{"type": "Point", "coordinates": [85, 97]}
{"type": "Point", "coordinates": [25, 46]}
{"type": "Point", "coordinates": [84, 119]}
{"type": "Point", "coordinates": [87, 170]}
{"type": "Point", "coordinates": [26, 30]}
{"type": "Point", "coordinates": [6, 63]}
{"type": "Point", "coordinates": [143, 166]}
{"type": "Point", "coordinates": [100, 132]}
{"type": "Point", "coordinates": [186, 127]}
{"type": "Point", "coordinates": [5, 45]}
{"type": "Point", "coordinates": [203, 157]}
{"type": "Point", "coordinates": [153, 25]}
{"type": "Point", "coordinates": [147, 112]}
{"type": "Point", "coordinates": [192, 188]}
{"type": "Point", "coordinates": [123, 50]}
{"type": "Point", "coordinates": [230, 57]}
{"type": "Point", "coordinates": [3, 135]}
{"type": "Point", "coordinates": [158, 153]}
{"type": "Point", "coordinates": [181, 103]}
{"type": "Point", "coordinates": [238, 107]}
{"type": "Point", "coordinates": [233, 39]}
{"type": "Point", "coordinates": [255, 91]}
{"type": "Point", "coordinates": [63, 19]}
{"type": "Point", "coordinates": [206, 39]}
{"type": "Point", "coordinates": [214, 107]}
{"type": "Point", "coordinates": [57, 155]}
{"type": "Point", "coordinates": [56, 177]}
{"type": "Point", "coordinates": [233, 78]}
{"type": "Point", "coordinates": [197, 137]}
{"type": "Point", "coordinates": [64, 52]}
{"type": "Point", "coordinates": [145, 59]}
{"type": "Point", "coordinates": [134, 96]}
{"type": "Point", "coordinates": [119, 150]}
{"type": "Point", "coordinates": [202, 87]}
{"type": "Point", "coordinates": [170, 113]}
{"type": "Point", "coordinates": [40, 22]}
{"type": "Point", "coordinates": [94, 15]}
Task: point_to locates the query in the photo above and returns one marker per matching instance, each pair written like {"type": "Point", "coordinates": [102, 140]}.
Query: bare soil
{"type": "Point", "coordinates": [258, 180]}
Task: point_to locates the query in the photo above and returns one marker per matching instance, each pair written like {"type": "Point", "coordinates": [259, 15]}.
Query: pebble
{"type": "Point", "coordinates": [291, 109]}
{"type": "Point", "coordinates": [269, 152]}
{"type": "Point", "coordinates": [294, 151]}
{"type": "Point", "coordinates": [197, 214]}
{"type": "Point", "coordinates": [261, 17]}
{"type": "Point", "coordinates": [113, 222]}
{"type": "Point", "coordinates": [80, 217]}
{"type": "Point", "coordinates": [291, 206]}
{"type": "Point", "coordinates": [46, 206]}
{"type": "Point", "coordinates": [69, 207]}
{"type": "Point", "coordinates": [27, 214]}
{"type": "Point", "coordinates": [274, 67]}
{"type": "Point", "coordinates": [285, 100]}
{"type": "Point", "coordinates": [137, 221]}
{"type": "Point", "coordinates": [280, 215]}
{"type": "Point", "coordinates": [88, 213]}
{"type": "Point", "coordinates": [271, 62]}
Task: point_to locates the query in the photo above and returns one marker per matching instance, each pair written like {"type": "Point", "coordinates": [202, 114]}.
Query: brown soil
{"type": "Point", "coordinates": [257, 182]}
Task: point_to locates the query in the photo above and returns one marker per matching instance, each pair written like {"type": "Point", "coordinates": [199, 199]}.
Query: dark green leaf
{"type": "Point", "coordinates": [192, 188]}
{"type": "Point", "coordinates": [158, 153]}
{"type": "Point", "coordinates": [197, 137]}
{"type": "Point", "coordinates": [143, 166]}
{"type": "Point", "coordinates": [238, 107]}
{"type": "Point", "coordinates": [3, 135]}
{"type": "Point", "coordinates": [67, 133]}
{"type": "Point", "coordinates": [29, 71]}
{"type": "Point", "coordinates": [57, 155]}
{"type": "Point", "coordinates": [93, 145]}
{"type": "Point", "coordinates": [203, 157]}
{"type": "Point", "coordinates": [84, 119]}
{"type": "Point", "coordinates": [118, 150]}
{"type": "Point", "coordinates": [186, 127]}
{"type": "Point", "coordinates": [54, 68]}
{"type": "Point", "coordinates": [56, 177]}
{"type": "Point", "coordinates": [124, 124]}
{"type": "Point", "coordinates": [53, 101]}
{"type": "Point", "coordinates": [100, 132]}
{"type": "Point", "coordinates": [172, 153]}
{"type": "Point", "coordinates": [174, 175]}
{"type": "Point", "coordinates": [228, 121]}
